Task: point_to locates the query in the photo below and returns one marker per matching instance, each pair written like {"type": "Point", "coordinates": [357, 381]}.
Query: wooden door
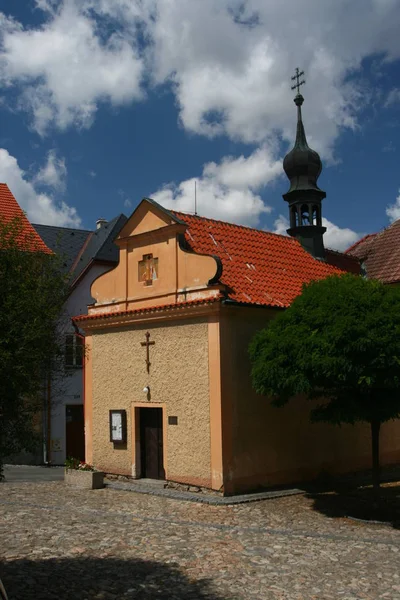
{"type": "Point", "coordinates": [151, 443]}
{"type": "Point", "coordinates": [75, 431]}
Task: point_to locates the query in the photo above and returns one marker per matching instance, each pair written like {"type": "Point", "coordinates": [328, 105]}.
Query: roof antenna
{"type": "Point", "coordinates": [195, 197]}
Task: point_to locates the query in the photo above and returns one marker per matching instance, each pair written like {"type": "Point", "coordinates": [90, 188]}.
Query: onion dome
{"type": "Point", "coordinates": [302, 165]}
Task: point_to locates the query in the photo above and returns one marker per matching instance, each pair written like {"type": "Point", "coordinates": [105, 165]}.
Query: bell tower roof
{"type": "Point", "coordinates": [303, 166]}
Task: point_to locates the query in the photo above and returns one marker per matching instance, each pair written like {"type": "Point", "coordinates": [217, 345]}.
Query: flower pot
{"type": "Point", "coordinates": [86, 480]}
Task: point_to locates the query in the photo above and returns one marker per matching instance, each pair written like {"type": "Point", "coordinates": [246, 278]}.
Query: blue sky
{"type": "Point", "coordinates": [103, 102]}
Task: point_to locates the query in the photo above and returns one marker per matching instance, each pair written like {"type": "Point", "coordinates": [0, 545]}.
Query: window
{"type": "Point", "coordinates": [305, 215]}
{"type": "Point", "coordinates": [315, 215]}
{"type": "Point", "coordinates": [73, 351]}
{"type": "Point", "coordinates": [148, 269]}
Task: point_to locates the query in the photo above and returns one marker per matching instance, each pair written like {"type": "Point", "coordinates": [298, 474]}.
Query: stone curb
{"type": "Point", "coordinates": [202, 498]}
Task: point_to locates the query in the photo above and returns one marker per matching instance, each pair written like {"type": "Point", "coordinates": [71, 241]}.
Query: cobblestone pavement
{"type": "Point", "coordinates": [57, 542]}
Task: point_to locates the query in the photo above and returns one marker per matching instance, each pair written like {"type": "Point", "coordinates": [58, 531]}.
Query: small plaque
{"type": "Point", "coordinates": [118, 426]}
{"type": "Point", "coordinates": [56, 445]}
{"type": "Point", "coordinates": [172, 420]}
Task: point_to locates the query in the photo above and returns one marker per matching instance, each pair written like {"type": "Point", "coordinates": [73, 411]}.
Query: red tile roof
{"type": "Point", "coordinates": [260, 267]}
{"type": "Point", "coordinates": [380, 253]}
{"type": "Point", "coordinates": [148, 309]}
{"type": "Point", "coordinates": [29, 239]}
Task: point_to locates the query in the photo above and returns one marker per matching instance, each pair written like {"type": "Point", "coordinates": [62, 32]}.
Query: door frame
{"type": "Point", "coordinates": [135, 435]}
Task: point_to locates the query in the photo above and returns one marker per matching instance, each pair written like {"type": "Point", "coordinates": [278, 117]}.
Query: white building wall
{"type": "Point", "coordinates": [70, 390]}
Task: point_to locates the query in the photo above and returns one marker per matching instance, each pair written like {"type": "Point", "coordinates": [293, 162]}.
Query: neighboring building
{"type": "Point", "coordinates": [9, 210]}
{"type": "Point", "coordinates": [379, 254]}
{"type": "Point", "coordinates": [86, 255]}
{"type": "Point", "coordinates": [168, 392]}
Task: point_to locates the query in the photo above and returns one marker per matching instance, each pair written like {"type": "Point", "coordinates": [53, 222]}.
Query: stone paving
{"type": "Point", "coordinates": [57, 542]}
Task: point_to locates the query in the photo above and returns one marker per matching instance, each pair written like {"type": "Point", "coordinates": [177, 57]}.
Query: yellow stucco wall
{"type": "Point", "coordinates": [178, 380]}
{"type": "Point", "coordinates": [270, 446]}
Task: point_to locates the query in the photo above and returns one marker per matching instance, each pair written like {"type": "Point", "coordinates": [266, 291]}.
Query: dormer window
{"type": "Point", "coordinates": [148, 269]}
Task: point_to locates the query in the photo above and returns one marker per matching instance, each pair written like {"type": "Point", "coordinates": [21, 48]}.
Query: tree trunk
{"type": "Point", "coordinates": [376, 478]}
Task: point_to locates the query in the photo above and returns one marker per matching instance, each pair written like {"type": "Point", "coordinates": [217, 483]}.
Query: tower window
{"type": "Point", "coordinates": [305, 215]}
{"type": "Point", "coordinates": [315, 215]}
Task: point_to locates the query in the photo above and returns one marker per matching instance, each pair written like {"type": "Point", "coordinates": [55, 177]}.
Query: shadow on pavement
{"type": "Point", "coordinates": [100, 578]}
{"type": "Point", "coordinates": [359, 503]}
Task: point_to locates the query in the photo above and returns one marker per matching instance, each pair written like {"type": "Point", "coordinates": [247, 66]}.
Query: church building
{"type": "Point", "coordinates": [168, 393]}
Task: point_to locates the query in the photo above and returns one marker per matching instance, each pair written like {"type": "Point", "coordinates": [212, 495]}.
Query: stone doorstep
{"type": "Point", "coordinates": [152, 490]}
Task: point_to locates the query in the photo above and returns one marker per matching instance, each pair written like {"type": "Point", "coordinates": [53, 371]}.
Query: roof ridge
{"type": "Point", "coordinates": [62, 227]}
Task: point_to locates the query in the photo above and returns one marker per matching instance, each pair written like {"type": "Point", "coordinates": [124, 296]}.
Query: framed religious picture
{"type": "Point", "coordinates": [148, 269]}
{"type": "Point", "coordinates": [118, 426]}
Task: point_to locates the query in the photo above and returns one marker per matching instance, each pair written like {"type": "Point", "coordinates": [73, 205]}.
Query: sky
{"type": "Point", "coordinates": [104, 102]}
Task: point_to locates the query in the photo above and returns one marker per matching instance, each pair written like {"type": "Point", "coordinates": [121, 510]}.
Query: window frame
{"type": "Point", "coordinates": [74, 349]}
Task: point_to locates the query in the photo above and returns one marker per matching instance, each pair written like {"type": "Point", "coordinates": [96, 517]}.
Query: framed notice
{"type": "Point", "coordinates": [118, 426]}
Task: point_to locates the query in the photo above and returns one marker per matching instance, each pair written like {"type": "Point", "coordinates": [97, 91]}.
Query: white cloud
{"type": "Point", "coordinates": [53, 173]}
{"type": "Point", "coordinates": [228, 62]}
{"type": "Point", "coordinates": [69, 65]}
{"type": "Point", "coordinates": [281, 225]}
{"type": "Point", "coordinates": [335, 237]}
{"type": "Point", "coordinates": [127, 203]}
{"type": "Point", "coordinates": [227, 190]}
{"type": "Point", "coordinates": [393, 210]}
{"type": "Point", "coordinates": [40, 207]}
{"type": "Point", "coordinates": [393, 97]}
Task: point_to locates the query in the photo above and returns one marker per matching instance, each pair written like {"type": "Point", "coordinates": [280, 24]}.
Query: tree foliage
{"type": "Point", "coordinates": [339, 342]}
{"type": "Point", "coordinates": [32, 293]}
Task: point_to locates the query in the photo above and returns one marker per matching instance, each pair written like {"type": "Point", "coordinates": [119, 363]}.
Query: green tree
{"type": "Point", "coordinates": [339, 345]}
{"type": "Point", "coordinates": [32, 293]}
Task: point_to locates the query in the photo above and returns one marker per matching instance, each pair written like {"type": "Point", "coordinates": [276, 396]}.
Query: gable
{"type": "Point", "coordinates": [148, 216]}
{"type": "Point", "coordinates": [154, 267]}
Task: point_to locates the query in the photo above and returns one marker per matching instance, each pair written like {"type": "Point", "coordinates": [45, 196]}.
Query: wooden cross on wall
{"type": "Point", "coordinates": [147, 343]}
{"type": "Point", "coordinates": [298, 82]}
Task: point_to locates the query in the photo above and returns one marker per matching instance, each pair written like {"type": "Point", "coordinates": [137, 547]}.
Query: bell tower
{"type": "Point", "coordinates": [303, 166]}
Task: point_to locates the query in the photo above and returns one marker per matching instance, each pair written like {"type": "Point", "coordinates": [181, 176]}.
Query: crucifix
{"type": "Point", "coordinates": [147, 343]}
{"type": "Point", "coordinates": [298, 82]}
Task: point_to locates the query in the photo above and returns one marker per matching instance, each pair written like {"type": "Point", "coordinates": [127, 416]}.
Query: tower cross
{"type": "Point", "coordinates": [147, 343]}
{"type": "Point", "coordinates": [298, 83]}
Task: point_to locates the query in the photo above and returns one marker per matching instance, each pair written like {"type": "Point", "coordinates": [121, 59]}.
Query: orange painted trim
{"type": "Point", "coordinates": [135, 435]}
{"type": "Point", "coordinates": [88, 399]}
{"type": "Point", "coordinates": [180, 310]}
{"type": "Point", "coordinates": [214, 373]}
{"type": "Point", "coordinates": [228, 395]}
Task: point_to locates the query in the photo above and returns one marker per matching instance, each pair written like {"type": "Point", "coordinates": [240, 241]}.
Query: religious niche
{"type": "Point", "coordinates": [148, 269]}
